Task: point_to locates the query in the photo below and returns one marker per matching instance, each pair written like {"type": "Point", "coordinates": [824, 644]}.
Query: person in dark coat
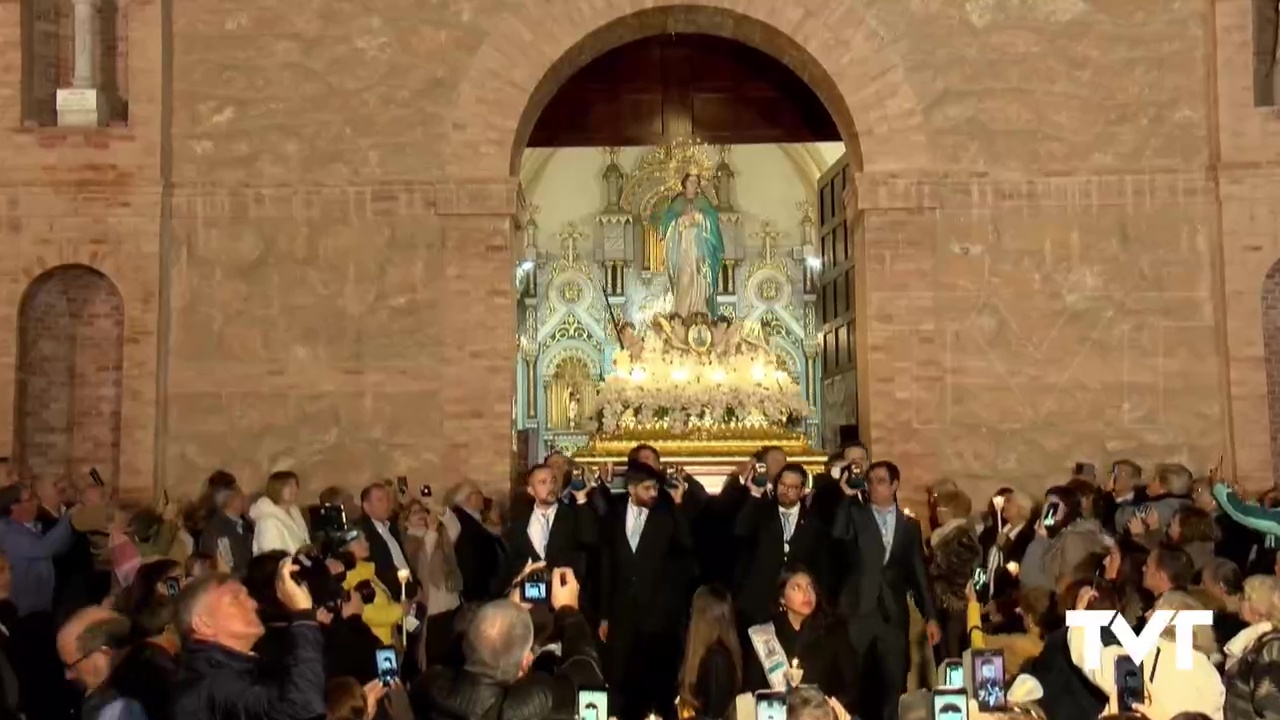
{"type": "Point", "coordinates": [217, 670]}
{"type": "Point", "coordinates": [228, 533]}
{"type": "Point", "coordinates": [548, 528]}
{"type": "Point", "coordinates": [775, 528]}
{"type": "Point", "coordinates": [386, 547]}
{"type": "Point", "coordinates": [495, 680]}
{"type": "Point", "coordinates": [478, 551]}
{"type": "Point", "coordinates": [885, 556]}
{"type": "Point", "coordinates": [817, 641]}
{"type": "Point", "coordinates": [648, 550]}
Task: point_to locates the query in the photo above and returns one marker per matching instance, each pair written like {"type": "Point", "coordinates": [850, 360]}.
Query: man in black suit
{"type": "Point", "coordinates": [551, 528]}
{"type": "Point", "coordinates": [648, 563]}
{"type": "Point", "coordinates": [774, 529]}
{"type": "Point", "coordinates": [478, 551]}
{"type": "Point", "coordinates": [385, 547]}
{"type": "Point", "coordinates": [884, 549]}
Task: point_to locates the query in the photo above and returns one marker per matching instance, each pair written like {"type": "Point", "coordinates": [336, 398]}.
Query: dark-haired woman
{"type": "Point", "coordinates": [711, 673]}
{"type": "Point", "coordinates": [811, 638]}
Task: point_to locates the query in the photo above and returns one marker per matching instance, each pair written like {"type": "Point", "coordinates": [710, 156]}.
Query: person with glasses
{"type": "Point", "coordinates": [90, 644]}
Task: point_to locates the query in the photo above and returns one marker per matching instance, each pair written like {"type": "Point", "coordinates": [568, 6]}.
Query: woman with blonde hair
{"type": "Point", "coordinates": [278, 523]}
{"type": "Point", "coordinates": [1253, 656]}
{"type": "Point", "coordinates": [429, 535]}
{"type": "Point", "coordinates": [711, 673]}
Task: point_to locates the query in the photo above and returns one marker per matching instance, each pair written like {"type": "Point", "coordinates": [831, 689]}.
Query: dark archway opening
{"type": "Point", "coordinates": [663, 88]}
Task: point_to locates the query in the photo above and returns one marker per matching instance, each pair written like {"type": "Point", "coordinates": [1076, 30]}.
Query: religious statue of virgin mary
{"type": "Point", "coordinates": [690, 231]}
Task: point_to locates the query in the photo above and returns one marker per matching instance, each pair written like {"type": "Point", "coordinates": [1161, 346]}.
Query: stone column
{"type": "Point", "coordinates": [82, 104]}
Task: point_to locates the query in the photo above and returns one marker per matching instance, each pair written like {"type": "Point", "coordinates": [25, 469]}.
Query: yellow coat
{"type": "Point", "coordinates": [383, 614]}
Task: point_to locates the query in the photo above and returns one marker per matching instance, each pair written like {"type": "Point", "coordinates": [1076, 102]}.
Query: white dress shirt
{"type": "Point", "coordinates": [397, 553]}
{"type": "Point", "coordinates": [636, 518]}
{"type": "Point", "coordinates": [540, 522]}
{"type": "Point", "coordinates": [789, 517]}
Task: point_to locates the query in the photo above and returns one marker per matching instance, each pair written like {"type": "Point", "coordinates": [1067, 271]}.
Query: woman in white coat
{"type": "Point", "coordinates": [278, 523]}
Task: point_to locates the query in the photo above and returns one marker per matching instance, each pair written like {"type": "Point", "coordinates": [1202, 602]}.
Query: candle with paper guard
{"type": "Point", "coordinates": [403, 576]}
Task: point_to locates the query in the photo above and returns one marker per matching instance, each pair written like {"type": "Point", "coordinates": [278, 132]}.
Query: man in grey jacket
{"type": "Point", "coordinates": [1168, 492]}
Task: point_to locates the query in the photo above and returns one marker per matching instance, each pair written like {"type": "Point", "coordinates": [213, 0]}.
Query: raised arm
{"type": "Point", "coordinates": [1250, 515]}
{"type": "Point", "coordinates": [32, 546]}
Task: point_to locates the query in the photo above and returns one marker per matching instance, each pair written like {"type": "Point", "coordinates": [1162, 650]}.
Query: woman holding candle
{"type": "Point", "coordinates": [817, 649]}
{"type": "Point", "coordinates": [383, 613]}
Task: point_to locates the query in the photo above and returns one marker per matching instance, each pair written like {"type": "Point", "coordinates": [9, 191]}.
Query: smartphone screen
{"type": "Point", "coordinates": [771, 706]}
{"type": "Point", "coordinates": [96, 477]}
{"type": "Point", "coordinates": [534, 590]}
{"type": "Point", "coordinates": [1130, 688]}
{"type": "Point", "coordinates": [388, 669]}
{"type": "Point", "coordinates": [172, 586]}
{"type": "Point", "coordinates": [952, 673]}
{"type": "Point", "coordinates": [593, 704]}
{"type": "Point", "coordinates": [979, 578]}
{"type": "Point", "coordinates": [402, 484]}
{"type": "Point", "coordinates": [1051, 513]}
{"type": "Point", "coordinates": [988, 679]}
{"type": "Point", "coordinates": [950, 705]}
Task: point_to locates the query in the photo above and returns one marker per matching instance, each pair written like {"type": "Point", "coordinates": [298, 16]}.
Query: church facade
{"type": "Point", "coordinates": [291, 237]}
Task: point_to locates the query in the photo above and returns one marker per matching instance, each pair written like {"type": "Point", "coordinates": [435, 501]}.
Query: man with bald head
{"type": "Point", "coordinates": [217, 671]}
{"type": "Point", "coordinates": [91, 644]}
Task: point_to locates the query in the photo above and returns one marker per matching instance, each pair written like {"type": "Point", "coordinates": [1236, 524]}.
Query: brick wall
{"type": "Point", "coordinates": [69, 379]}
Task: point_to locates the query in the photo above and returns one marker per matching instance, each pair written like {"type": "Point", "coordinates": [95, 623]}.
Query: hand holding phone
{"type": "Point", "coordinates": [387, 665]}
{"type": "Point", "coordinates": [402, 484]}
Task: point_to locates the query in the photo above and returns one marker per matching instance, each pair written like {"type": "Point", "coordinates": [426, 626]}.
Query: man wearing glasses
{"type": "Point", "coordinates": [90, 645]}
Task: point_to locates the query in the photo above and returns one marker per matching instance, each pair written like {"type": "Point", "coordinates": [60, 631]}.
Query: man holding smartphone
{"type": "Point", "coordinates": [496, 680]}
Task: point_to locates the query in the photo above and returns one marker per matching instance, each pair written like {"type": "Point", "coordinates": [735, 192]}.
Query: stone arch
{"type": "Point", "coordinates": [532, 48]}
{"type": "Point", "coordinates": [70, 376]}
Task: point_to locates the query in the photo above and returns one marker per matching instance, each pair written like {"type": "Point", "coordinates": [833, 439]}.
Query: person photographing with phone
{"type": "Point", "coordinates": [1063, 540]}
{"type": "Point", "coordinates": [496, 680]}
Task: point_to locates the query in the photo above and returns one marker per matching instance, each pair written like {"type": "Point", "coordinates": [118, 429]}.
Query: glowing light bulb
{"type": "Point", "coordinates": [680, 374]}
{"type": "Point", "coordinates": [718, 375]}
{"type": "Point", "coordinates": [757, 373]}
{"type": "Point", "coordinates": [638, 375]}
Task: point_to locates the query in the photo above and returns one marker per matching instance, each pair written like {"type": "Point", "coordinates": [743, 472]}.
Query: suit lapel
{"type": "Point", "coordinates": [899, 530]}
{"type": "Point", "coordinates": [871, 527]}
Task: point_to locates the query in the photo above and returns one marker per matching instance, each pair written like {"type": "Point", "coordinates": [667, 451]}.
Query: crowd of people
{"type": "Point", "coordinates": [633, 592]}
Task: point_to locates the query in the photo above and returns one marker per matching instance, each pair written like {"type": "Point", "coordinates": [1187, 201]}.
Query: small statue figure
{"type": "Point", "coordinates": [573, 409]}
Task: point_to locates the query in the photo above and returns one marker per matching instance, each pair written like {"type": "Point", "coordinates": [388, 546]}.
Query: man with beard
{"type": "Point", "coordinates": [775, 529]}
{"type": "Point", "coordinates": [551, 528]}
{"type": "Point", "coordinates": [646, 556]}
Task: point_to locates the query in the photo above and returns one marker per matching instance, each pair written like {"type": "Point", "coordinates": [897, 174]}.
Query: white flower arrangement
{"type": "Point", "coordinates": [685, 391]}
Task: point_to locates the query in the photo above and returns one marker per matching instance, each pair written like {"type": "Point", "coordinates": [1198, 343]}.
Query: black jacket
{"type": "Point", "coordinates": [574, 535]}
{"type": "Point", "coordinates": [876, 586]}
{"type": "Point", "coordinates": [450, 694]}
{"type": "Point", "coordinates": [238, 541]}
{"type": "Point", "coordinates": [479, 555]}
{"type": "Point", "coordinates": [758, 531]}
{"type": "Point", "coordinates": [146, 674]}
{"type": "Point", "coordinates": [1068, 694]}
{"type": "Point", "coordinates": [380, 555]}
{"type": "Point", "coordinates": [822, 647]}
{"type": "Point", "coordinates": [217, 683]}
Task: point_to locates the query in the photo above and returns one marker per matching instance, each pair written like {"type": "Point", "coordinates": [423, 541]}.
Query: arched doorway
{"type": "Point", "coordinates": [649, 80]}
{"type": "Point", "coordinates": [69, 385]}
{"type": "Point", "coordinates": [836, 50]}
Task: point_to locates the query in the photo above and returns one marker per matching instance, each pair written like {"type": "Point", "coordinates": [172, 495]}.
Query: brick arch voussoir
{"type": "Point", "coordinates": [533, 48]}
